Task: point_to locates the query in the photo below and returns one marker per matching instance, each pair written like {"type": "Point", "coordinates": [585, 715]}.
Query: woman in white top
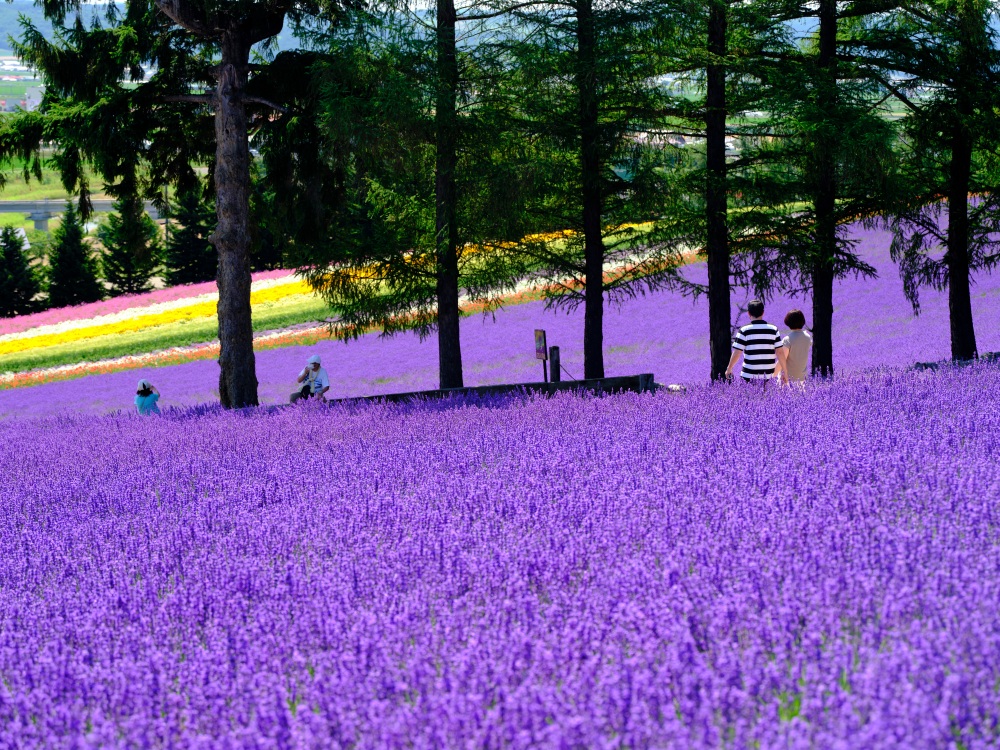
{"type": "Point", "coordinates": [797, 344]}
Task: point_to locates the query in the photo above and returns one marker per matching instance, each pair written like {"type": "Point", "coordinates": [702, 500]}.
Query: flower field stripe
{"type": "Point", "coordinates": [159, 332]}
{"type": "Point", "coordinates": [118, 308]}
{"type": "Point", "coordinates": [172, 356]}
{"type": "Point", "coordinates": [291, 311]}
{"type": "Point", "coordinates": [132, 313]}
{"type": "Point", "coordinates": [130, 321]}
{"type": "Point", "coordinates": [22, 323]}
{"type": "Point", "coordinates": [87, 357]}
{"type": "Point", "coordinates": [285, 284]}
{"type": "Point", "coordinates": [114, 335]}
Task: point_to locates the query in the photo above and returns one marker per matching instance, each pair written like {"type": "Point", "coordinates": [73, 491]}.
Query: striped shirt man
{"type": "Point", "coordinates": [759, 342]}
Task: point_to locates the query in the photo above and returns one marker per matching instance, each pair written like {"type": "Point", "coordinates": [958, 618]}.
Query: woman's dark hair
{"type": "Point", "coordinates": [795, 319]}
{"type": "Point", "coordinates": [144, 392]}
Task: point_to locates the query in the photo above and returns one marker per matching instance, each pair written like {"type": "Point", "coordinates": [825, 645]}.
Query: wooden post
{"type": "Point", "coordinates": [554, 359]}
{"type": "Point", "coordinates": [166, 215]}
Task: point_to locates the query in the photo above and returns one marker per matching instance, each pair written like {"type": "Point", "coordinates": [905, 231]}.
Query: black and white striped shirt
{"type": "Point", "coordinates": [758, 341]}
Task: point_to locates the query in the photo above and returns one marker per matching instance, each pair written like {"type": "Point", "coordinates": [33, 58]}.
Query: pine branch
{"type": "Point", "coordinates": [501, 12]}
{"type": "Point", "coordinates": [267, 103]}
{"type": "Point", "coordinates": [196, 98]}
{"type": "Point", "coordinates": [184, 15]}
{"type": "Point", "coordinates": [897, 93]}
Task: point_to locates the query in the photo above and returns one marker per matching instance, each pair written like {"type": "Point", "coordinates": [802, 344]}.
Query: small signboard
{"type": "Point", "coordinates": [541, 350]}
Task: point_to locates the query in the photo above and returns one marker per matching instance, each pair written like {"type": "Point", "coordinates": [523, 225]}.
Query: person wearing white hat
{"type": "Point", "coordinates": [315, 382]}
{"type": "Point", "coordinates": [146, 397]}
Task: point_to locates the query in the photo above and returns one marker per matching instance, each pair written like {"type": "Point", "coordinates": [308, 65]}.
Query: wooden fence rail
{"type": "Point", "coordinates": [630, 383]}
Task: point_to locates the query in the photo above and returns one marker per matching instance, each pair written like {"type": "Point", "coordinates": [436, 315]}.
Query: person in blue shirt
{"type": "Point", "coordinates": [146, 397]}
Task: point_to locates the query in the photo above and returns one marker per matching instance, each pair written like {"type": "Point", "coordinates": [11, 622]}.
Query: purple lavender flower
{"type": "Point", "coordinates": [731, 568]}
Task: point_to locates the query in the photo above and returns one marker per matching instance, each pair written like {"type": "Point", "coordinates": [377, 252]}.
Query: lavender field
{"type": "Point", "coordinates": [665, 334]}
{"type": "Point", "coordinates": [718, 569]}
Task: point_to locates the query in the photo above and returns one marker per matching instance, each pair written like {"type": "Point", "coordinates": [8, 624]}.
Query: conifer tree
{"type": "Point", "coordinates": [131, 241]}
{"type": "Point", "coordinates": [586, 81]}
{"type": "Point", "coordinates": [99, 108]}
{"type": "Point", "coordinates": [188, 256]}
{"type": "Point", "coordinates": [404, 201]}
{"type": "Point", "coordinates": [724, 197]}
{"type": "Point", "coordinates": [941, 60]}
{"type": "Point", "coordinates": [796, 146]}
{"type": "Point", "coordinates": [835, 150]}
{"type": "Point", "coordinates": [72, 267]}
{"type": "Point", "coordinates": [18, 281]}
{"type": "Point", "coordinates": [717, 246]}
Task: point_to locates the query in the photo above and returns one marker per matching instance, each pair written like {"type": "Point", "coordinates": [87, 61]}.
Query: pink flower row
{"type": "Point", "coordinates": [117, 304]}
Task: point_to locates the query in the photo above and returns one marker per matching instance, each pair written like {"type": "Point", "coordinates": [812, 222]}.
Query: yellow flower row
{"type": "Point", "coordinates": [196, 311]}
{"type": "Point", "coordinates": [566, 234]}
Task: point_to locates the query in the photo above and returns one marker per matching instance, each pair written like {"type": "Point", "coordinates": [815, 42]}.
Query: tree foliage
{"type": "Point", "coordinates": [19, 283]}
{"type": "Point", "coordinates": [948, 56]}
{"type": "Point", "coordinates": [421, 156]}
{"type": "Point", "coordinates": [188, 256]}
{"type": "Point", "coordinates": [140, 133]}
{"type": "Point", "coordinates": [132, 244]}
{"type": "Point", "coordinates": [357, 182]}
{"type": "Point", "coordinates": [72, 272]}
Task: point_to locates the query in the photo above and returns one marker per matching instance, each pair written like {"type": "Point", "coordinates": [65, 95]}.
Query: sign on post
{"type": "Point", "coordinates": [542, 353]}
{"type": "Point", "coordinates": [541, 350]}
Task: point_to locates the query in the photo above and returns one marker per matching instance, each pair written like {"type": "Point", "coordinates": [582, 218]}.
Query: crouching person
{"type": "Point", "coordinates": [314, 380]}
{"type": "Point", "coordinates": [146, 397]}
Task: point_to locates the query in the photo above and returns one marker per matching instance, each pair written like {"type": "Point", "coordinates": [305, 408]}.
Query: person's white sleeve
{"type": "Point", "coordinates": [324, 380]}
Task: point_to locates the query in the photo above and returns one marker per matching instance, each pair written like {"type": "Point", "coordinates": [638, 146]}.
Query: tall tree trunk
{"type": "Point", "coordinates": [237, 376]}
{"type": "Point", "coordinates": [590, 166]}
{"type": "Point", "coordinates": [446, 198]}
{"type": "Point", "coordinates": [822, 304]}
{"type": "Point", "coordinates": [716, 202]}
{"type": "Point", "coordinates": [963, 333]}
{"type": "Point", "coordinates": [825, 198]}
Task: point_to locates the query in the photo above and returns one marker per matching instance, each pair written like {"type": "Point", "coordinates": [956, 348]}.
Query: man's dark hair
{"type": "Point", "coordinates": [795, 319]}
{"type": "Point", "coordinates": [755, 308]}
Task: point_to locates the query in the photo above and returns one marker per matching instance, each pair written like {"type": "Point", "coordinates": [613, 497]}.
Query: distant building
{"type": "Point", "coordinates": [33, 97]}
{"type": "Point", "coordinates": [19, 231]}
